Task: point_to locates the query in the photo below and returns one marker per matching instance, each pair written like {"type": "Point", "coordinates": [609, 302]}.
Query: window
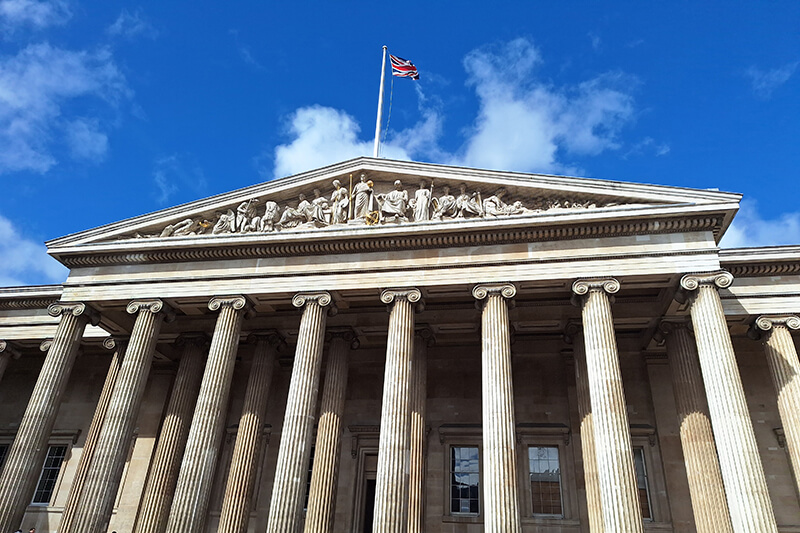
{"type": "Point", "coordinates": [464, 480]}
{"type": "Point", "coordinates": [52, 467]}
{"type": "Point", "coordinates": [3, 453]}
{"type": "Point", "coordinates": [308, 478]}
{"type": "Point", "coordinates": [641, 483]}
{"type": "Point", "coordinates": [545, 479]}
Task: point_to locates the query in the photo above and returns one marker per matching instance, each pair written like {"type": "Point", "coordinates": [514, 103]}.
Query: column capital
{"type": "Point", "coordinates": [45, 345]}
{"type": "Point", "coordinates": [721, 279]}
{"type": "Point", "coordinates": [74, 308]}
{"type": "Point", "coordinates": [572, 330]}
{"type": "Point", "coordinates": [409, 293]}
{"type": "Point", "coordinates": [6, 348]}
{"type": "Point", "coordinates": [484, 290]}
{"type": "Point", "coordinates": [322, 298]}
{"type": "Point", "coordinates": [154, 305]}
{"type": "Point", "coordinates": [345, 333]}
{"type": "Point", "coordinates": [272, 336]}
{"type": "Point", "coordinates": [767, 322]}
{"type": "Point", "coordinates": [587, 285]}
{"type": "Point", "coordinates": [669, 325]}
{"type": "Point", "coordinates": [197, 338]}
{"type": "Point", "coordinates": [424, 332]}
{"type": "Point", "coordinates": [236, 302]}
{"type": "Point", "coordinates": [114, 343]}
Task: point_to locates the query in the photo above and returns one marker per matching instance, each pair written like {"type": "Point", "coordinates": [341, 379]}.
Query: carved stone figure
{"type": "Point", "coordinates": [468, 205]}
{"type": "Point", "coordinates": [294, 216]}
{"type": "Point", "coordinates": [185, 227]}
{"type": "Point", "coordinates": [341, 203]}
{"type": "Point", "coordinates": [244, 213]}
{"type": "Point", "coordinates": [422, 203]}
{"type": "Point", "coordinates": [225, 224]}
{"type": "Point", "coordinates": [446, 205]}
{"type": "Point", "coordinates": [394, 204]}
{"type": "Point", "coordinates": [495, 206]}
{"type": "Point", "coordinates": [267, 221]}
{"type": "Point", "coordinates": [320, 209]}
{"type": "Point", "coordinates": [362, 194]}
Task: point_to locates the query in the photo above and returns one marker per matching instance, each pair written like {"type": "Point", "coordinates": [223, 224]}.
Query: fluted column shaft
{"type": "Point", "coordinates": [102, 482]}
{"type": "Point", "coordinates": [618, 489]}
{"type": "Point", "coordinates": [286, 507]}
{"type": "Point", "coordinates": [90, 444]}
{"type": "Point", "coordinates": [26, 455]}
{"type": "Point", "coordinates": [501, 500]}
{"type": "Point", "coordinates": [193, 490]}
{"type": "Point", "coordinates": [709, 506]}
{"type": "Point", "coordinates": [242, 474]}
{"type": "Point", "coordinates": [588, 452]}
{"type": "Point", "coordinates": [163, 475]}
{"type": "Point", "coordinates": [325, 474]}
{"type": "Point", "coordinates": [785, 369]}
{"type": "Point", "coordinates": [391, 492]}
{"type": "Point", "coordinates": [419, 397]}
{"type": "Point", "coordinates": [745, 485]}
{"type": "Point", "coordinates": [6, 354]}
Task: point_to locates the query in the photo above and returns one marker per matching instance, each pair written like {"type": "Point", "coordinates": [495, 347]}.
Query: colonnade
{"type": "Point", "coordinates": [728, 494]}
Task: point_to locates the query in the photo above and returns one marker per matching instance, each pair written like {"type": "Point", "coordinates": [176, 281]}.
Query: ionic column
{"type": "Point", "coordinates": [26, 455]}
{"type": "Point", "coordinates": [242, 474]}
{"type": "Point", "coordinates": [742, 473]}
{"type": "Point", "coordinates": [419, 397]}
{"type": "Point", "coordinates": [102, 481]}
{"type": "Point", "coordinates": [90, 444]}
{"type": "Point", "coordinates": [325, 474]}
{"type": "Point", "coordinates": [391, 493]}
{"type": "Point", "coordinates": [501, 501]}
{"type": "Point", "coordinates": [588, 453]}
{"type": "Point", "coordinates": [286, 507]}
{"type": "Point", "coordinates": [618, 489]}
{"type": "Point", "coordinates": [709, 506]}
{"type": "Point", "coordinates": [785, 369]}
{"type": "Point", "coordinates": [7, 353]}
{"type": "Point", "coordinates": [163, 475]}
{"type": "Point", "coordinates": [193, 490]}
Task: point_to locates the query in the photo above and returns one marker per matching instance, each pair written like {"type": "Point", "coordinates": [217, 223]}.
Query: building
{"type": "Point", "coordinates": [558, 353]}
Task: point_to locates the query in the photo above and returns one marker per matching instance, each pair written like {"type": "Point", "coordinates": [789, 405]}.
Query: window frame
{"type": "Point", "coordinates": [644, 436]}
{"type": "Point", "coordinates": [58, 437]}
{"type": "Point", "coordinates": [450, 472]}
{"type": "Point", "coordinates": [556, 436]}
{"type": "Point", "coordinates": [460, 436]}
{"type": "Point", "coordinates": [560, 457]}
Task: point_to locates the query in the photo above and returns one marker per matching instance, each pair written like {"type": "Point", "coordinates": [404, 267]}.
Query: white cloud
{"type": "Point", "coordinates": [86, 140]}
{"type": "Point", "coordinates": [39, 14]}
{"type": "Point", "coordinates": [525, 124]}
{"type": "Point", "coordinates": [130, 25]}
{"type": "Point", "coordinates": [37, 86]}
{"type": "Point", "coordinates": [322, 136]}
{"type": "Point", "coordinates": [174, 172]}
{"type": "Point", "coordinates": [764, 82]}
{"type": "Point", "coordinates": [25, 261]}
{"type": "Point", "coordinates": [522, 124]}
{"type": "Point", "coordinates": [749, 228]}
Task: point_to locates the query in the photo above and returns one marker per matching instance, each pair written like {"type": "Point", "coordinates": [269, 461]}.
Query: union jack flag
{"type": "Point", "coordinates": [403, 68]}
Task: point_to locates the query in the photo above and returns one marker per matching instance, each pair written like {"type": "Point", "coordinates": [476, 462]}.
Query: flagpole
{"type": "Point", "coordinates": [380, 106]}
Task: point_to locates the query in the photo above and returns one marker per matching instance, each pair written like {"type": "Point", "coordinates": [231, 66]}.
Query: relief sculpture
{"type": "Point", "coordinates": [360, 204]}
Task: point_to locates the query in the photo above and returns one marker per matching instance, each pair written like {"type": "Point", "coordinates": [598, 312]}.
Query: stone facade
{"type": "Point", "coordinates": [437, 356]}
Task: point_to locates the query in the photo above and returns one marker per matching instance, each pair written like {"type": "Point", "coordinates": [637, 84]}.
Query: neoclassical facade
{"type": "Point", "coordinates": [386, 346]}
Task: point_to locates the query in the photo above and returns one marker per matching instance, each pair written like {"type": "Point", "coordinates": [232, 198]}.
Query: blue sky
{"type": "Point", "coordinates": [111, 109]}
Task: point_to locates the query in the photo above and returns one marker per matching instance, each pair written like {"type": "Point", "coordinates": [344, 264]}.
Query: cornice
{"type": "Point", "coordinates": [210, 249]}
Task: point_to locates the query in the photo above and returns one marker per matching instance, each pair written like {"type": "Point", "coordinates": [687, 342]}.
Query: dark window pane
{"type": "Point", "coordinates": [49, 477]}
{"type": "Point", "coordinates": [464, 480]}
{"type": "Point", "coordinates": [642, 484]}
{"type": "Point", "coordinates": [545, 480]}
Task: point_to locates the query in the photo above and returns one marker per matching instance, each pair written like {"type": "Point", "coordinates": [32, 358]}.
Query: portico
{"type": "Point", "coordinates": [496, 438]}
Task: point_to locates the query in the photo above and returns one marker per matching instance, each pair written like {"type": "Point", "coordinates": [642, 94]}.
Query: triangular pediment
{"type": "Point", "coordinates": [429, 198]}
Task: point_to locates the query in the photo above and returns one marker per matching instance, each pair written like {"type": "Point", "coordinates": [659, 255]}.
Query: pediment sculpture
{"type": "Point", "coordinates": [361, 204]}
